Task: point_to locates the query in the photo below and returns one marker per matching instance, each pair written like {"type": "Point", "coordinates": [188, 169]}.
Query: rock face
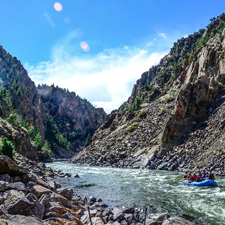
{"type": "Point", "coordinates": [21, 92]}
{"type": "Point", "coordinates": [75, 117]}
{"type": "Point", "coordinates": [174, 116]}
{"type": "Point", "coordinates": [20, 138]}
{"type": "Point", "coordinates": [42, 118]}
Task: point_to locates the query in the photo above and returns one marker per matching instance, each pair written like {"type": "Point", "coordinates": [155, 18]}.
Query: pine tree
{"type": "Point", "coordinates": [7, 148]}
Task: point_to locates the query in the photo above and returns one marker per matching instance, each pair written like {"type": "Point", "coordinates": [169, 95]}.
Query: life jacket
{"type": "Point", "coordinates": [199, 178]}
{"type": "Point", "coordinates": [186, 176]}
{"type": "Point", "coordinates": [193, 178]}
{"type": "Point", "coordinates": [205, 175]}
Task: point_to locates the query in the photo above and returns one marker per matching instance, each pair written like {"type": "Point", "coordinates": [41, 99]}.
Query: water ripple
{"type": "Point", "coordinates": [161, 191]}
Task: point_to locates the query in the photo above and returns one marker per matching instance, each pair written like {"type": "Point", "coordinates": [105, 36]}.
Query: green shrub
{"type": "Point", "coordinates": [7, 148]}
{"type": "Point", "coordinates": [222, 54]}
{"type": "Point", "coordinates": [132, 127]}
{"type": "Point", "coordinates": [162, 110]}
{"type": "Point", "coordinates": [183, 87]}
{"type": "Point", "coordinates": [113, 125]}
{"type": "Point", "coordinates": [38, 140]}
{"type": "Point", "coordinates": [46, 148]}
{"type": "Point", "coordinates": [190, 58]}
{"type": "Point", "coordinates": [194, 78]}
{"type": "Point", "coordinates": [2, 93]}
{"type": "Point", "coordinates": [142, 114]}
{"type": "Point", "coordinates": [12, 118]}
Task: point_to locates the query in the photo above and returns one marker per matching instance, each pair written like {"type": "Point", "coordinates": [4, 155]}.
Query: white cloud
{"type": "Point", "coordinates": [151, 43]}
{"type": "Point", "coordinates": [163, 35]}
{"type": "Point", "coordinates": [105, 79]}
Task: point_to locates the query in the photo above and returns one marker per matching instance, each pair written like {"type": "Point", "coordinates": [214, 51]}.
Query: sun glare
{"type": "Point", "coordinates": [84, 46]}
{"type": "Point", "coordinates": [58, 7]}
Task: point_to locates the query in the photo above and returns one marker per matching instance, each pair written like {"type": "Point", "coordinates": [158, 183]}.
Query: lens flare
{"type": "Point", "coordinates": [84, 46]}
{"type": "Point", "coordinates": [58, 7]}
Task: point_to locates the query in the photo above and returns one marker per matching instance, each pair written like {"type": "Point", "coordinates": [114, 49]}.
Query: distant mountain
{"type": "Point", "coordinates": [174, 118]}
{"type": "Point", "coordinates": [70, 119]}
{"type": "Point", "coordinates": [55, 120]}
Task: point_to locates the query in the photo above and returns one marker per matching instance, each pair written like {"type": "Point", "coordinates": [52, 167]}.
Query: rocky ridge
{"type": "Point", "coordinates": [75, 117]}
{"type": "Point", "coordinates": [172, 119]}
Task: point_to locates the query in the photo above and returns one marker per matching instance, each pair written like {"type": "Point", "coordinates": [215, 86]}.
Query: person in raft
{"type": "Point", "coordinates": [205, 175]}
{"type": "Point", "coordinates": [199, 177]}
{"type": "Point", "coordinates": [193, 178]}
{"type": "Point", "coordinates": [186, 175]}
{"type": "Point", "coordinates": [211, 176]}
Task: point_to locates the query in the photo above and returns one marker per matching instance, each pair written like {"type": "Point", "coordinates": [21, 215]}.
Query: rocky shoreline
{"type": "Point", "coordinates": [29, 195]}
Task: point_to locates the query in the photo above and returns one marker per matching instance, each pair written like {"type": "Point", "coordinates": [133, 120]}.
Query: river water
{"type": "Point", "coordinates": [160, 191]}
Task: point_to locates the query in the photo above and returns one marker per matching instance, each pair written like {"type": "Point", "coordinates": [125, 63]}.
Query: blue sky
{"type": "Point", "coordinates": [98, 48]}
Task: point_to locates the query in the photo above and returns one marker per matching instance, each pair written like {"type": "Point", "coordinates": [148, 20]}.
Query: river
{"type": "Point", "coordinates": [160, 191]}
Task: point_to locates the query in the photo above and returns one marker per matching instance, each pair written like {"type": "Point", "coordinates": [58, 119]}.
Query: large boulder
{"type": "Point", "coordinates": [21, 220]}
{"type": "Point", "coordinates": [39, 190]}
{"type": "Point", "coordinates": [19, 186]}
{"type": "Point", "coordinates": [37, 208]}
{"type": "Point", "coordinates": [60, 199]}
{"type": "Point", "coordinates": [17, 203]}
{"type": "Point", "coordinates": [67, 193]}
{"type": "Point", "coordinates": [176, 220]}
{"type": "Point", "coordinates": [9, 167]}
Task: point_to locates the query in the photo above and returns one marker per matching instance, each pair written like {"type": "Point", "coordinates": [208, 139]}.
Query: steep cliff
{"type": "Point", "coordinates": [171, 105]}
{"type": "Point", "coordinates": [75, 118]}
{"type": "Point", "coordinates": [48, 119]}
{"type": "Point", "coordinates": [21, 93]}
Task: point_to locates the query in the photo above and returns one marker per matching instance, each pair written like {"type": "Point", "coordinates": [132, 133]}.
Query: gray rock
{"type": "Point", "coordinates": [67, 193]}
{"type": "Point", "coordinates": [129, 218]}
{"type": "Point", "coordinates": [161, 217]}
{"type": "Point", "coordinates": [24, 220]}
{"type": "Point", "coordinates": [39, 190]}
{"type": "Point", "coordinates": [6, 177]}
{"type": "Point", "coordinates": [117, 214]}
{"type": "Point", "coordinates": [37, 208]}
{"type": "Point", "coordinates": [3, 185]}
{"type": "Point", "coordinates": [19, 186]}
{"type": "Point", "coordinates": [52, 185]}
{"type": "Point", "coordinates": [151, 222]}
{"type": "Point", "coordinates": [9, 167]}
{"type": "Point", "coordinates": [54, 197]}
{"type": "Point", "coordinates": [32, 177]}
{"type": "Point", "coordinates": [141, 163]}
{"type": "Point", "coordinates": [17, 203]}
{"type": "Point", "coordinates": [116, 223]}
{"type": "Point", "coordinates": [177, 221]}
